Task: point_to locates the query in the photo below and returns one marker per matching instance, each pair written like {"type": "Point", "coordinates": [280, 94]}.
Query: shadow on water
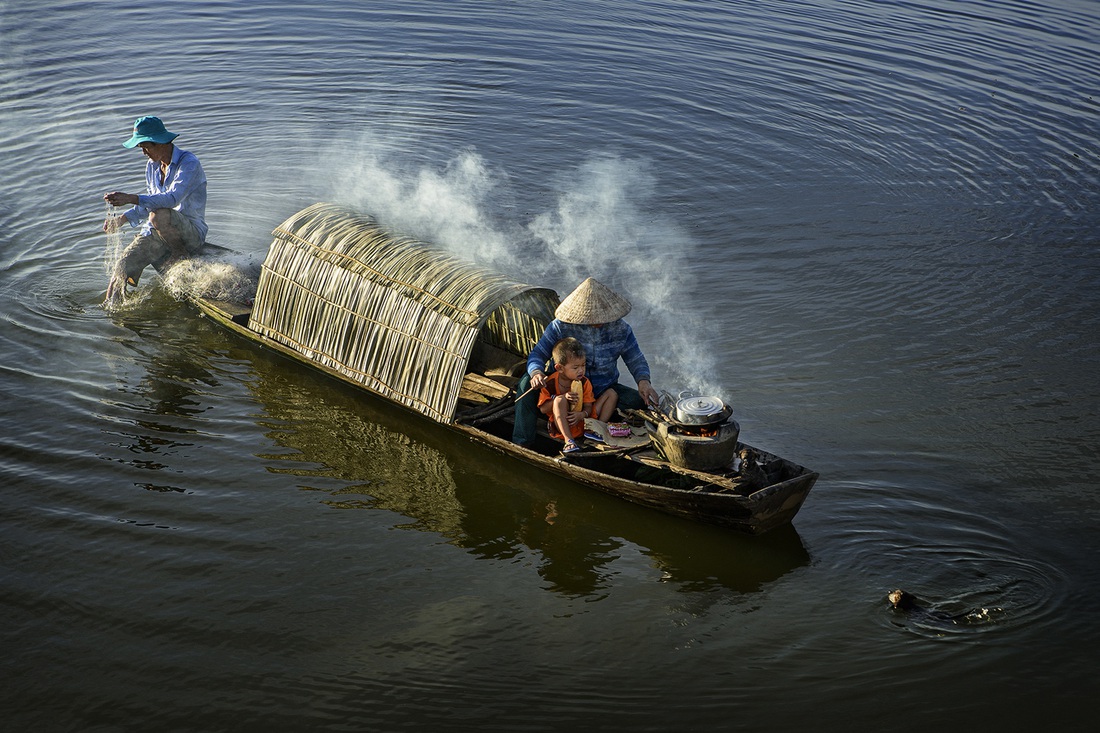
{"type": "Point", "coordinates": [357, 451]}
{"type": "Point", "coordinates": [494, 506]}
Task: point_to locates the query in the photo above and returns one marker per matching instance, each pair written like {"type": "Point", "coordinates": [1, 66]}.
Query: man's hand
{"type": "Point", "coordinates": [117, 198]}
{"type": "Point", "coordinates": [116, 290]}
{"type": "Point", "coordinates": [538, 380]}
{"type": "Point", "coordinates": [113, 223]}
{"type": "Point", "coordinates": [649, 395]}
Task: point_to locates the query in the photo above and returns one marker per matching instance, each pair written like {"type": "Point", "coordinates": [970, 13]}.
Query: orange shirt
{"type": "Point", "coordinates": [551, 390]}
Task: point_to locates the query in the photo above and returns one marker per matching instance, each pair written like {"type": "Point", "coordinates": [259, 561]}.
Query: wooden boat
{"type": "Point", "coordinates": [448, 340]}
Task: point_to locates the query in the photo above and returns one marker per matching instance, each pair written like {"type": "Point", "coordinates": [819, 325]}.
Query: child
{"type": "Point", "coordinates": [557, 399]}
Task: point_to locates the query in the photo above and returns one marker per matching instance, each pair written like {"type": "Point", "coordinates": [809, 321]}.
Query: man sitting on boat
{"type": "Point", "coordinates": [593, 314]}
{"type": "Point", "coordinates": [172, 212]}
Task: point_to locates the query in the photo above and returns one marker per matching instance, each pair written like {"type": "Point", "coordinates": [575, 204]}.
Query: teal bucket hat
{"type": "Point", "coordinates": [149, 130]}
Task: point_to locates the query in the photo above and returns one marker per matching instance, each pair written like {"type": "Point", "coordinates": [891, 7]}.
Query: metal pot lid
{"type": "Point", "coordinates": [696, 407]}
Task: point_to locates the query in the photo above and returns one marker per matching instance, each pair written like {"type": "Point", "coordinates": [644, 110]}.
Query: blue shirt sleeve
{"type": "Point", "coordinates": [543, 350]}
{"type": "Point", "coordinates": [633, 357]}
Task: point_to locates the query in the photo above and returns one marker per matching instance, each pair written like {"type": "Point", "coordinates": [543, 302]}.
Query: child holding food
{"type": "Point", "coordinates": [566, 397]}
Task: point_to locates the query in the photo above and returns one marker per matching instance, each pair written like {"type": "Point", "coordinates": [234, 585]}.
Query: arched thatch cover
{"type": "Point", "coordinates": [394, 314]}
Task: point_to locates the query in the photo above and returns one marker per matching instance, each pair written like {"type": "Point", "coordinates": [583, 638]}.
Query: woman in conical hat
{"type": "Point", "coordinates": [593, 314]}
{"type": "Point", "coordinates": [592, 303]}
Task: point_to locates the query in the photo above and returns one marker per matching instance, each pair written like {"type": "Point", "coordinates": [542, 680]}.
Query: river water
{"type": "Point", "coordinates": [870, 226]}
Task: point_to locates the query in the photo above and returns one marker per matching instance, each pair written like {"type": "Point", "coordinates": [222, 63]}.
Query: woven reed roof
{"type": "Point", "coordinates": [394, 314]}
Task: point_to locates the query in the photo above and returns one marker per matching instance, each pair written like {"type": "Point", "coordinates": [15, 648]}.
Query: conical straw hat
{"type": "Point", "coordinates": [591, 303]}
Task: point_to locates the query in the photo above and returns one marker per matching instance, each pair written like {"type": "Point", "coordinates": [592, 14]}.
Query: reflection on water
{"type": "Point", "coordinates": [383, 468]}
{"type": "Point", "coordinates": [875, 221]}
{"type": "Point", "coordinates": [150, 422]}
{"type": "Point", "coordinates": [495, 507]}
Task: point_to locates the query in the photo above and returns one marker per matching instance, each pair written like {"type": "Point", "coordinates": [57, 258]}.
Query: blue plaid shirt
{"type": "Point", "coordinates": [603, 346]}
{"type": "Point", "coordinates": [183, 189]}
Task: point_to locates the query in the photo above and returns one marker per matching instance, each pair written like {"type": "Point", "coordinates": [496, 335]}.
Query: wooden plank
{"type": "Point", "coordinates": [483, 385]}
{"type": "Point", "coordinates": [710, 478]}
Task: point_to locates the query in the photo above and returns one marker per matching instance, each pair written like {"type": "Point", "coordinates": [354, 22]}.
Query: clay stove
{"type": "Point", "coordinates": [698, 433]}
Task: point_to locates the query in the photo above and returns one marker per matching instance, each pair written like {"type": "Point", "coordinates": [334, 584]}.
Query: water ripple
{"type": "Point", "coordinates": [885, 214]}
{"type": "Point", "coordinates": [972, 567]}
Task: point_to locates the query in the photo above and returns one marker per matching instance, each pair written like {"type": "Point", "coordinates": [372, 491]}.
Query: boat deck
{"type": "Point", "coordinates": [486, 402]}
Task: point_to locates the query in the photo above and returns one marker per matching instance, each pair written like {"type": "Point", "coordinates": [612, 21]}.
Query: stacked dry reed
{"type": "Point", "coordinates": [395, 314]}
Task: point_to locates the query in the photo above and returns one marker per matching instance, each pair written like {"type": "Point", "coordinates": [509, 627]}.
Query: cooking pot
{"type": "Point", "coordinates": [696, 411]}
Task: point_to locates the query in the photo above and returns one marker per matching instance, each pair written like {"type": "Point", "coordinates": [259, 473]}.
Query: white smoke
{"type": "Point", "coordinates": [606, 223]}
{"type": "Point", "coordinates": [447, 207]}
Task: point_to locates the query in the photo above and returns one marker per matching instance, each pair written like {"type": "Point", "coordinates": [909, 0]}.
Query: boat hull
{"type": "Point", "coordinates": [753, 512]}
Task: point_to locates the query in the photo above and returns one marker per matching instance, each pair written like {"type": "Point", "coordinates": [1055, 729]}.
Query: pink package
{"type": "Point", "coordinates": [618, 429]}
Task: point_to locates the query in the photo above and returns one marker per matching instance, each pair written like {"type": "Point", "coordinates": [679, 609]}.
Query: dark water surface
{"type": "Point", "coordinates": [871, 226]}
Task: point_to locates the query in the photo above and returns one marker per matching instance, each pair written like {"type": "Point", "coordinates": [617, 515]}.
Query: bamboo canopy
{"type": "Point", "coordinates": [399, 316]}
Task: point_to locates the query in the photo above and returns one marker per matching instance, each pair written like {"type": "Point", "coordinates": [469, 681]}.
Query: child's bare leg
{"type": "Point", "coordinates": [606, 404]}
{"type": "Point", "coordinates": [561, 417]}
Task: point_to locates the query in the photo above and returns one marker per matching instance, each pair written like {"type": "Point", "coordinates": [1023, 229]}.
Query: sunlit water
{"type": "Point", "coordinates": [870, 226]}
